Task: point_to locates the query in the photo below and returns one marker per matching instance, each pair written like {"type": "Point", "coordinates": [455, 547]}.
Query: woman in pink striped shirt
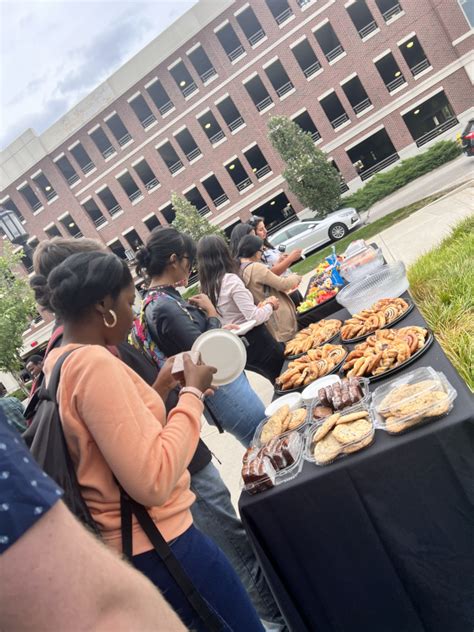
{"type": "Point", "coordinates": [220, 280]}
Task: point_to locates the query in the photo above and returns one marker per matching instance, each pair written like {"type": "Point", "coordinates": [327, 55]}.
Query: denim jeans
{"type": "Point", "coordinates": [237, 409]}
{"type": "Point", "coordinates": [213, 577]}
{"type": "Point", "coordinates": [214, 515]}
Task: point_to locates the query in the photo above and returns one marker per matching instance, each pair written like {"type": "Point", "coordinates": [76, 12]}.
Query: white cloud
{"type": "Point", "coordinates": [55, 52]}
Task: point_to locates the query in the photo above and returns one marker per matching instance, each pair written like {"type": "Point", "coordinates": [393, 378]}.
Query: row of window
{"type": "Point", "coordinates": [353, 89]}
{"type": "Point", "coordinates": [304, 54]}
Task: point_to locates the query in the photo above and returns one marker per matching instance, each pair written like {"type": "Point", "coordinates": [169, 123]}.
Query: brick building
{"type": "Point", "coordinates": [372, 80]}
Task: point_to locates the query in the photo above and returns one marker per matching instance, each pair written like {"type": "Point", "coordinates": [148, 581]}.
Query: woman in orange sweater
{"type": "Point", "coordinates": [116, 430]}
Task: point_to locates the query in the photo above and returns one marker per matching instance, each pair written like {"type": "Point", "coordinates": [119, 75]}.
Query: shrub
{"type": "Point", "coordinates": [382, 184]}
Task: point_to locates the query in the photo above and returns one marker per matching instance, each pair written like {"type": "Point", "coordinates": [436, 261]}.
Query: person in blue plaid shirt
{"type": "Point", "coordinates": [13, 410]}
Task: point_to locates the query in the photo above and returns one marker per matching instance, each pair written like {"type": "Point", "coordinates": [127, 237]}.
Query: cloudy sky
{"type": "Point", "coordinates": [53, 53]}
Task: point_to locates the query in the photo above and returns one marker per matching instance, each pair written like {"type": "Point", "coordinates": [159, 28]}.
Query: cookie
{"type": "Point", "coordinates": [326, 450]}
{"type": "Point", "coordinates": [354, 431]}
{"type": "Point", "coordinates": [297, 418]}
{"type": "Point", "coordinates": [286, 422]}
{"type": "Point", "coordinates": [362, 414]}
{"type": "Point", "coordinates": [326, 426]}
{"type": "Point", "coordinates": [355, 447]}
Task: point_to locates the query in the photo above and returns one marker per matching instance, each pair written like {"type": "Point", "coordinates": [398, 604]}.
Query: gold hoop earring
{"type": "Point", "coordinates": [114, 317]}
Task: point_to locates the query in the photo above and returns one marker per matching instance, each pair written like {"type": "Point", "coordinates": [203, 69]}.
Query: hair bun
{"type": "Point", "coordinates": [143, 257]}
{"type": "Point", "coordinates": [39, 285]}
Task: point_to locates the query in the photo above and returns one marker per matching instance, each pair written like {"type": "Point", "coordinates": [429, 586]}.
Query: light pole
{"type": "Point", "coordinates": [13, 229]}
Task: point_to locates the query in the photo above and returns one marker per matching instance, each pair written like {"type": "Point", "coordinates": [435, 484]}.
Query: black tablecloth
{"type": "Point", "coordinates": [382, 540]}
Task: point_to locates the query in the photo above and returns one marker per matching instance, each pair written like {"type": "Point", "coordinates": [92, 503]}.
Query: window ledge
{"type": "Point", "coordinates": [236, 131]}
{"type": "Point", "coordinates": [196, 159]}
{"type": "Point", "coordinates": [213, 78]}
{"type": "Point", "coordinates": [260, 42]}
{"type": "Point", "coordinates": [370, 35]}
{"type": "Point", "coordinates": [244, 54]}
{"type": "Point", "coordinates": [109, 158]}
{"type": "Point", "coordinates": [169, 112]}
{"type": "Point", "coordinates": [272, 105]}
{"type": "Point", "coordinates": [267, 175]}
{"type": "Point", "coordinates": [148, 127]}
{"type": "Point", "coordinates": [314, 75]}
{"type": "Point", "coordinates": [38, 211]}
{"type": "Point", "coordinates": [319, 141]}
{"type": "Point", "coordinates": [89, 173]}
{"type": "Point", "coordinates": [396, 17]}
{"type": "Point", "coordinates": [288, 94]}
{"type": "Point", "coordinates": [402, 87]}
{"type": "Point", "coordinates": [345, 124]}
{"type": "Point", "coordinates": [106, 223]}
{"type": "Point", "coordinates": [341, 56]}
{"type": "Point", "coordinates": [190, 96]}
{"type": "Point", "coordinates": [307, 6]}
{"type": "Point", "coordinates": [371, 107]}
{"type": "Point", "coordinates": [219, 142]}
{"type": "Point", "coordinates": [137, 201]}
{"type": "Point", "coordinates": [423, 72]}
{"type": "Point", "coordinates": [56, 197]}
{"type": "Point", "coordinates": [117, 215]}
{"type": "Point", "coordinates": [73, 186]}
{"type": "Point", "coordinates": [173, 175]}
{"type": "Point", "coordinates": [154, 188]}
{"type": "Point", "coordinates": [223, 204]}
{"type": "Point", "coordinates": [127, 144]}
{"type": "Point", "coordinates": [250, 186]}
{"type": "Point", "coordinates": [287, 21]}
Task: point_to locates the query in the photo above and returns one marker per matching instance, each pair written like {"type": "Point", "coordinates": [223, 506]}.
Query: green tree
{"type": "Point", "coordinates": [17, 306]}
{"type": "Point", "coordinates": [189, 221]}
{"type": "Point", "coordinates": [308, 173]}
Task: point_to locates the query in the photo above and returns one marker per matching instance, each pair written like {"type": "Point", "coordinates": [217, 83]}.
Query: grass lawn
{"type": "Point", "coordinates": [442, 284]}
{"type": "Point", "coordinates": [366, 232]}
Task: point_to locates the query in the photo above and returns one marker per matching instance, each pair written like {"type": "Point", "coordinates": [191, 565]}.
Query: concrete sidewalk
{"type": "Point", "coordinates": [404, 241]}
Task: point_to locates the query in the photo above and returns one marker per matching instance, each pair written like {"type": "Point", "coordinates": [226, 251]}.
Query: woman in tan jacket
{"type": "Point", "coordinates": [261, 281]}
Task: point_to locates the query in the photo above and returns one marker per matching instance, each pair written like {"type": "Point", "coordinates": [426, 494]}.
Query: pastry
{"type": "Point", "coordinates": [326, 426]}
{"type": "Point", "coordinates": [313, 336]}
{"type": "Point", "coordinates": [327, 449]}
{"type": "Point", "coordinates": [314, 364]}
{"type": "Point", "coordinates": [345, 419]}
{"type": "Point", "coordinates": [320, 412]}
{"type": "Point", "coordinates": [298, 417]}
{"type": "Point", "coordinates": [384, 350]}
{"type": "Point", "coordinates": [381, 313]}
{"type": "Point", "coordinates": [352, 432]}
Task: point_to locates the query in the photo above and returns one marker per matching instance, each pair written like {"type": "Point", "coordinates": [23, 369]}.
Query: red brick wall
{"type": "Point", "coordinates": [422, 16]}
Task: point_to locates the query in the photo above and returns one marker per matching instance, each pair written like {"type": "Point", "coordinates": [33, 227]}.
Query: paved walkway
{"type": "Point", "coordinates": [406, 241]}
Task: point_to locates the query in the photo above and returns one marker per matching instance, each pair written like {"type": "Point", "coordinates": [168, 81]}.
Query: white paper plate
{"type": "Point", "coordinates": [294, 401]}
{"type": "Point", "coordinates": [223, 350]}
{"type": "Point", "coordinates": [244, 328]}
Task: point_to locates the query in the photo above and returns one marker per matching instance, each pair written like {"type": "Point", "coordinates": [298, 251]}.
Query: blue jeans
{"type": "Point", "coordinates": [237, 409]}
{"type": "Point", "coordinates": [214, 515]}
{"type": "Point", "coordinates": [213, 577]}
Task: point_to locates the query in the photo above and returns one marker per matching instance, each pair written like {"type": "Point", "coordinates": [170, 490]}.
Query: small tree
{"type": "Point", "coordinates": [17, 306]}
{"type": "Point", "coordinates": [310, 176]}
{"type": "Point", "coordinates": [189, 221]}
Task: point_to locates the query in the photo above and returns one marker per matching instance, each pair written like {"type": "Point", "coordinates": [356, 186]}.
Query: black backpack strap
{"type": "Point", "coordinates": [128, 506]}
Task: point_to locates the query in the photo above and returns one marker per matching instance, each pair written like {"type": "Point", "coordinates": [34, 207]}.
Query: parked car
{"type": "Point", "coordinates": [467, 138]}
{"type": "Point", "coordinates": [311, 233]}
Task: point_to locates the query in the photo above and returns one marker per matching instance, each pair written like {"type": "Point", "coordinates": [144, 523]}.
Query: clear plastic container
{"type": "Point", "coordinates": [257, 438]}
{"type": "Point", "coordinates": [390, 281]}
{"type": "Point", "coordinates": [364, 401]}
{"type": "Point", "coordinates": [414, 398]}
{"type": "Point", "coordinates": [274, 472]}
{"type": "Point", "coordinates": [361, 262]}
{"type": "Point", "coordinates": [340, 448]}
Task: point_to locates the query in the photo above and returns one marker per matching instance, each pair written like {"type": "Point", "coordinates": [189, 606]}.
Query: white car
{"type": "Point", "coordinates": [310, 234]}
